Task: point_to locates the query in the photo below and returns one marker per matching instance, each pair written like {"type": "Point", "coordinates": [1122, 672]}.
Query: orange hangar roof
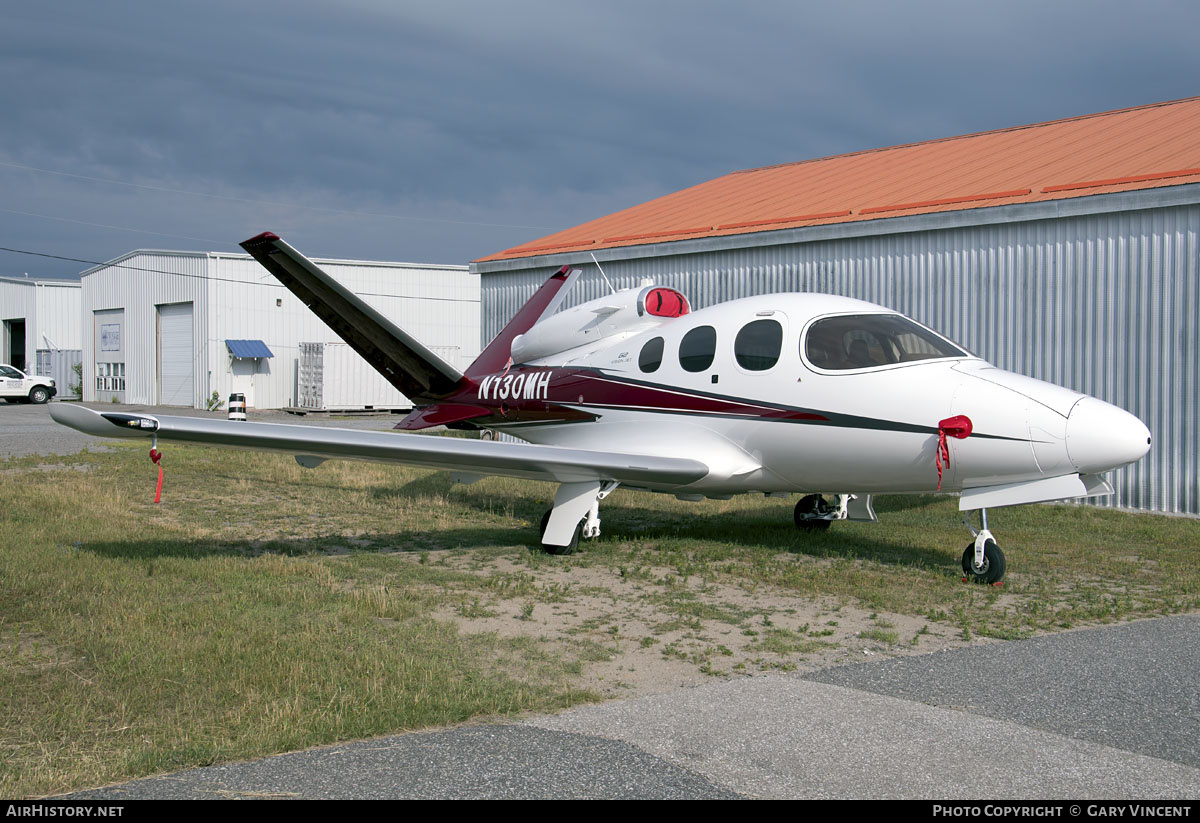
{"type": "Point", "coordinates": [1139, 148]}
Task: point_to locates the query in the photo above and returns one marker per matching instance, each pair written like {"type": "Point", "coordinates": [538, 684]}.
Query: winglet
{"type": "Point", "coordinates": [103, 424]}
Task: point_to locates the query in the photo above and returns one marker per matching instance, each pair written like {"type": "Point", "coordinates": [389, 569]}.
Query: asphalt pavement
{"type": "Point", "coordinates": [1071, 716]}
{"type": "Point", "coordinates": [1110, 712]}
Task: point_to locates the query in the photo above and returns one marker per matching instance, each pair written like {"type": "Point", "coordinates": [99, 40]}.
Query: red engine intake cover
{"type": "Point", "coordinates": [664, 302]}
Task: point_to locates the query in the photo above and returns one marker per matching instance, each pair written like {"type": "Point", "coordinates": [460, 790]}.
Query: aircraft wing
{"type": "Point", "coordinates": [311, 445]}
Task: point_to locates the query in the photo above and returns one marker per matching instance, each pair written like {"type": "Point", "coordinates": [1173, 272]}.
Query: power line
{"type": "Point", "coordinates": [272, 202]}
{"type": "Point", "coordinates": [268, 284]}
{"type": "Point", "coordinates": [117, 228]}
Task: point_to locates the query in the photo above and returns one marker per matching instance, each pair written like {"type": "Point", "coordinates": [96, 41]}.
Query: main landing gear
{"type": "Point", "coordinates": [572, 544]}
{"type": "Point", "coordinates": [814, 513]}
{"type": "Point", "coordinates": [982, 560]}
{"type": "Point", "coordinates": [575, 516]}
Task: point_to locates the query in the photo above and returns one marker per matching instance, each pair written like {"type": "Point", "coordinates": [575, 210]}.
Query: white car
{"type": "Point", "coordinates": [18, 387]}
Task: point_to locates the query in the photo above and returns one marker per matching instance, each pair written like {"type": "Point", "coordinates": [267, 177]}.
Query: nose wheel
{"type": "Point", "coordinates": [982, 560]}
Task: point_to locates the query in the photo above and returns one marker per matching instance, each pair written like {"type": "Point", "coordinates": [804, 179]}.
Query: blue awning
{"type": "Point", "coordinates": [248, 348]}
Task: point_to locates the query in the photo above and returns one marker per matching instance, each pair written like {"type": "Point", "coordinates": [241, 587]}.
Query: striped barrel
{"type": "Point", "coordinates": [237, 407]}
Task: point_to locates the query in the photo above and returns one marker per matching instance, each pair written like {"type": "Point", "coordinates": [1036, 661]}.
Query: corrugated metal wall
{"type": "Point", "coordinates": [18, 302]}
{"type": "Point", "coordinates": [136, 283]}
{"type": "Point", "coordinates": [234, 298]}
{"type": "Point", "coordinates": [439, 305]}
{"type": "Point", "coordinates": [1106, 304]}
{"type": "Point", "coordinates": [50, 311]}
{"type": "Point", "coordinates": [60, 365]}
{"type": "Point", "coordinates": [58, 315]}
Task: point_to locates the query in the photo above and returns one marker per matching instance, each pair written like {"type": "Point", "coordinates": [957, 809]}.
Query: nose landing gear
{"type": "Point", "coordinates": [982, 560]}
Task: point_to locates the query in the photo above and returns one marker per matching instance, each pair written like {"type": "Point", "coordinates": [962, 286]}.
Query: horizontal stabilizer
{"type": "Point", "coordinates": [442, 414]}
{"type": "Point", "coordinates": [407, 364]}
{"type": "Point", "coordinates": [457, 454]}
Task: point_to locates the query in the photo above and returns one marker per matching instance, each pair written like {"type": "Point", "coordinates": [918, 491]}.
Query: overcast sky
{"type": "Point", "coordinates": [440, 132]}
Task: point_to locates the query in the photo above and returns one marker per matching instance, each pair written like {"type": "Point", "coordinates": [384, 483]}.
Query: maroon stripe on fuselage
{"type": "Point", "coordinates": [554, 389]}
{"type": "Point", "coordinates": [560, 392]}
{"type": "Point", "coordinates": [616, 393]}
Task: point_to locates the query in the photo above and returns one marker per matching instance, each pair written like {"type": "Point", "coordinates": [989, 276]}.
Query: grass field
{"type": "Point", "coordinates": [263, 607]}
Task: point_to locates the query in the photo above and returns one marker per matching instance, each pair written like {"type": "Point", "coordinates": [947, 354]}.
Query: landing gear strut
{"type": "Point", "coordinates": [982, 560]}
{"type": "Point", "coordinates": [576, 514]}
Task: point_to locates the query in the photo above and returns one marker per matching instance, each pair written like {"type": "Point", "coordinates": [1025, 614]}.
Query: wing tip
{"type": "Point", "coordinates": [265, 237]}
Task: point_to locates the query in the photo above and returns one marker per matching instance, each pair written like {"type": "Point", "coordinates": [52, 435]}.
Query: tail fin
{"type": "Point", "coordinates": [408, 365]}
{"type": "Point", "coordinates": [545, 301]}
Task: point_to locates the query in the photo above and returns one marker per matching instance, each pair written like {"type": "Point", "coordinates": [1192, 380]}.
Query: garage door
{"type": "Point", "coordinates": [176, 355]}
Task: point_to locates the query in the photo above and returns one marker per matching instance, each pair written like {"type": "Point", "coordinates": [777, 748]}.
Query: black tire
{"type": "Point", "coordinates": [993, 567]}
{"type": "Point", "coordinates": [39, 395]}
{"type": "Point", "coordinates": [567, 549]}
{"type": "Point", "coordinates": [809, 506]}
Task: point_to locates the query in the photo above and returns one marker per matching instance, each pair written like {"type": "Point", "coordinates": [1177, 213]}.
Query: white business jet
{"type": "Point", "coordinates": [830, 397]}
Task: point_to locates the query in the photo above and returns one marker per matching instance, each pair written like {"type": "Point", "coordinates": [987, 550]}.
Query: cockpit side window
{"type": "Point", "coordinates": [697, 349]}
{"type": "Point", "coordinates": [757, 345]}
{"type": "Point", "coordinates": [863, 341]}
{"type": "Point", "coordinates": [651, 355]}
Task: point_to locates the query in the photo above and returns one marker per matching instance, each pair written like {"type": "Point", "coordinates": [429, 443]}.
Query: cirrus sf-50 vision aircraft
{"type": "Point", "coordinates": [828, 397]}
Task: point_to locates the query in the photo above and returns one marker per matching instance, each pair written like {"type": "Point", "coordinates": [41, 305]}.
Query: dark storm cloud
{"type": "Point", "coordinates": [470, 119]}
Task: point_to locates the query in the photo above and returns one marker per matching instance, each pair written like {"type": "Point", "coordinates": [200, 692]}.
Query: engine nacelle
{"type": "Point", "coordinates": [626, 312]}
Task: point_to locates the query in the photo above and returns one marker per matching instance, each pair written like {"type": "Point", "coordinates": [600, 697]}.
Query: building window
{"type": "Point", "coordinates": [110, 377]}
{"type": "Point", "coordinates": [697, 348]}
{"type": "Point", "coordinates": [758, 344]}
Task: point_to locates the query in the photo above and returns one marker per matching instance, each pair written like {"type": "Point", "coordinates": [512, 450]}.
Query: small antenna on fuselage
{"type": "Point", "coordinates": [602, 274]}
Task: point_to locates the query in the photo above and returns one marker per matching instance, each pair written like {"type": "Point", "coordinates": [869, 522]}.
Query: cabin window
{"type": "Point", "coordinates": [864, 341]}
{"type": "Point", "coordinates": [757, 345]}
{"type": "Point", "coordinates": [651, 356]}
{"type": "Point", "coordinates": [697, 348]}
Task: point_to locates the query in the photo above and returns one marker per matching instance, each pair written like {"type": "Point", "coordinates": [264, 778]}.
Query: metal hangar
{"type": "Point", "coordinates": [1068, 251]}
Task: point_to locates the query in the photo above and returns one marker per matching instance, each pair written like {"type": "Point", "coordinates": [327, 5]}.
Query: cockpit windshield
{"type": "Point", "coordinates": [863, 341]}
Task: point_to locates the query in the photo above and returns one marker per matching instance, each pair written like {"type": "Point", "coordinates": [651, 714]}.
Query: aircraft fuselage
{"type": "Point", "coordinates": [795, 419]}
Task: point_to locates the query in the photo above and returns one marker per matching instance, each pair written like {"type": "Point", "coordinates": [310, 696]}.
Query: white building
{"type": "Point", "coordinates": [173, 328]}
{"type": "Point", "coordinates": [39, 327]}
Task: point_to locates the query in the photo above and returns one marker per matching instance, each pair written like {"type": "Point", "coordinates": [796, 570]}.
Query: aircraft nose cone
{"type": "Point", "coordinates": [1102, 437]}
